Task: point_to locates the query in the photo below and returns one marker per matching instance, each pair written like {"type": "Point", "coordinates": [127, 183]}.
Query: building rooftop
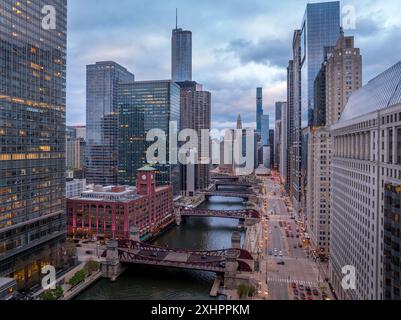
{"type": "Point", "coordinates": [381, 92]}
{"type": "Point", "coordinates": [146, 169]}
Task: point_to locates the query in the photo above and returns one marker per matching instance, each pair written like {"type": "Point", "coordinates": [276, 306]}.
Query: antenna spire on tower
{"type": "Point", "coordinates": [176, 18]}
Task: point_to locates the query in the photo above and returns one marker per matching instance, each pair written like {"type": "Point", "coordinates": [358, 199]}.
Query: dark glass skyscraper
{"type": "Point", "coordinates": [259, 109]}
{"type": "Point", "coordinates": [181, 55]}
{"type": "Point", "coordinates": [320, 28]}
{"type": "Point", "coordinates": [144, 106]}
{"type": "Point", "coordinates": [32, 137]}
{"type": "Point", "coordinates": [102, 120]}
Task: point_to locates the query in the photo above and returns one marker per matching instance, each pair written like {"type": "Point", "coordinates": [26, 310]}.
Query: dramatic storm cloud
{"type": "Point", "coordinates": [237, 46]}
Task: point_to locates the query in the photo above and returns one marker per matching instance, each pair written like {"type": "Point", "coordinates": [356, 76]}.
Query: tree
{"type": "Point", "coordinates": [51, 295]}
{"type": "Point", "coordinates": [77, 278]}
{"type": "Point", "coordinates": [242, 291]}
{"type": "Point", "coordinates": [92, 266]}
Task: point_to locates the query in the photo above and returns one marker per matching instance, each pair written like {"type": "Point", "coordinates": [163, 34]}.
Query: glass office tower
{"type": "Point", "coordinates": [320, 28]}
{"type": "Point", "coordinates": [102, 120]}
{"type": "Point", "coordinates": [181, 55]}
{"type": "Point", "coordinates": [143, 106]}
{"type": "Point", "coordinates": [32, 137]}
{"type": "Point", "coordinates": [259, 109]}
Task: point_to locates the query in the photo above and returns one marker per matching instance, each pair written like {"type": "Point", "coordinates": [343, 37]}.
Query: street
{"type": "Point", "coordinates": [289, 272]}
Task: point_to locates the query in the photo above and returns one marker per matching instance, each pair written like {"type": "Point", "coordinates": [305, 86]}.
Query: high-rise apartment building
{"type": "Point", "coordinates": [287, 176]}
{"type": "Point", "coordinates": [295, 98]}
{"type": "Point", "coordinates": [196, 115]}
{"type": "Point", "coordinates": [278, 133]}
{"type": "Point", "coordinates": [102, 80]}
{"type": "Point", "coordinates": [366, 169]}
{"type": "Point", "coordinates": [340, 75]}
{"type": "Point", "coordinates": [283, 145]}
{"type": "Point", "coordinates": [259, 109]}
{"type": "Point", "coordinates": [32, 138]}
{"type": "Point", "coordinates": [181, 55]}
{"type": "Point", "coordinates": [144, 106]}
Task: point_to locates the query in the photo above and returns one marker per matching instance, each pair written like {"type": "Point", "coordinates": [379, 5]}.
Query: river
{"type": "Point", "coordinates": [152, 283]}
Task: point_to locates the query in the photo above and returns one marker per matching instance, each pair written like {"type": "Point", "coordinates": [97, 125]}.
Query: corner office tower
{"type": "Point", "coordinates": [32, 137]}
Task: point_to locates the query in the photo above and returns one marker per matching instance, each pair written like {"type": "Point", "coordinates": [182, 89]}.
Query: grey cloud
{"type": "Point", "coordinates": [272, 52]}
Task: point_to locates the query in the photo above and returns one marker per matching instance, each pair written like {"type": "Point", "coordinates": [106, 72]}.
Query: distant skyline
{"type": "Point", "coordinates": [237, 46]}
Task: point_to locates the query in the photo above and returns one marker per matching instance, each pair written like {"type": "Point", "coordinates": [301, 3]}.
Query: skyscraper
{"type": "Point", "coordinates": [340, 75]}
{"type": "Point", "coordinates": [32, 138]}
{"type": "Point", "coordinates": [196, 115]}
{"type": "Point", "coordinates": [320, 28]}
{"type": "Point", "coordinates": [143, 106]}
{"type": "Point", "coordinates": [259, 109]}
{"type": "Point", "coordinates": [289, 132]}
{"type": "Point", "coordinates": [265, 130]}
{"type": "Point", "coordinates": [102, 120]}
{"type": "Point", "coordinates": [181, 55]}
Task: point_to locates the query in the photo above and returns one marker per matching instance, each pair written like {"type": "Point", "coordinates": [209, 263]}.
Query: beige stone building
{"type": "Point", "coordinates": [339, 77]}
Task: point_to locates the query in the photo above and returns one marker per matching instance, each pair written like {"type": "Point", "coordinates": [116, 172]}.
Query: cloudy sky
{"type": "Point", "coordinates": [238, 45]}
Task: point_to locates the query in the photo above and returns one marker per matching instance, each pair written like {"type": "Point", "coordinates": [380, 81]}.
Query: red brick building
{"type": "Point", "coordinates": [109, 212]}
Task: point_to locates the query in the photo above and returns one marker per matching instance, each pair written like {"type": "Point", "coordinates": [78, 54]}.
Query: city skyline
{"type": "Point", "coordinates": [244, 58]}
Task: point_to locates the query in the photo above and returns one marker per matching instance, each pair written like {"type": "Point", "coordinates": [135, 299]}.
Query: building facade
{"type": "Point", "coordinates": [102, 80]}
{"type": "Point", "coordinates": [366, 159]}
{"type": "Point", "coordinates": [318, 16]}
{"type": "Point", "coordinates": [289, 132]}
{"type": "Point", "coordinates": [259, 109]}
{"type": "Point", "coordinates": [144, 106]}
{"type": "Point", "coordinates": [196, 115]}
{"type": "Point", "coordinates": [339, 77]}
{"type": "Point", "coordinates": [110, 212]}
{"type": "Point", "coordinates": [265, 131]}
{"type": "Point", "coordinates": [32, 138]}
{"type": "Point", "coordinates": [181, 55]}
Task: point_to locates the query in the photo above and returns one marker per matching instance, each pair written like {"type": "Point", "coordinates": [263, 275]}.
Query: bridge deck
{"type": "Point", "coordinates": [214, 261]}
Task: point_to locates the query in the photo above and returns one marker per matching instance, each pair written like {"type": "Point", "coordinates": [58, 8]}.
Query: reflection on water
{"type": "Point", "coordinates": [152, 283]}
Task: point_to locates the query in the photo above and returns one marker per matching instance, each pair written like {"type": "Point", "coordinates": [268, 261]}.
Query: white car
{"type": "Point", "coordinates": [281, 253]}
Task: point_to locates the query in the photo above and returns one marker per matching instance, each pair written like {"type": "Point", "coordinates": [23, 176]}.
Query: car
{"type": "Point", "coordinates": [275, 250]}
{"type": "Point", "coordinates": [295, 247]}
{"type": "Point", "coordinates": [303, 297]}
{"type": "Point", "coordinates": [281, 263]}
{"type": "Point", "coordinates": [154, 254]}
{"type": "Point", "coordinates": [300, 246]}
{"type": "Point", "coordinates": [296, 292]}
{"type": "Point", "coordinates": [301, 287]}
{"type": "Point", "coordinates": [270, 253]}
{"type": "Point", "coordinates": [308, 289]}
{"type": "Point", "coordinates": [294, 285]}
{"type": "Point", "coordinates": [281, 254]}
{"type": "Point", "coordinates": [325, 297]}
{"type": "Point", "coordinates": [315, 292]}
{"type": "Point", "coordinates": [222, 264]}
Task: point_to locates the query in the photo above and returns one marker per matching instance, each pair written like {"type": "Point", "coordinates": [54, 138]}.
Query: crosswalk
{"type": "Point", "coordinates": [289, 281]}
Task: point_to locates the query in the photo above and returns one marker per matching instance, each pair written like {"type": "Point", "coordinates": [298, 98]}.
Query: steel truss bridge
{"type": "Point", "coordinates": [133, 252]}
{"type": "Point", "coordinates": [230, 214]}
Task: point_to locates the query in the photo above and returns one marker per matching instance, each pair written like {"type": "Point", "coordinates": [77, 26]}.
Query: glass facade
{"type": "Point", "coordinates": [32, 132]}
{"type": "Point", "coordinates": [144, 106]}
{"type": "Point", "coordinates": [181, 55]}
{"type": "Point", "coordinates": [265, 127]}
{"type": "Point", "coordinates": [259, 109]}
{"type": "Point", "coordinates": [102, 121]}
{"type": "Point", "coordinates": [320, 28]}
